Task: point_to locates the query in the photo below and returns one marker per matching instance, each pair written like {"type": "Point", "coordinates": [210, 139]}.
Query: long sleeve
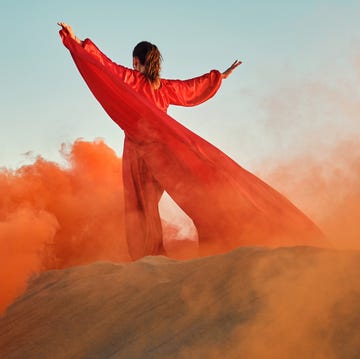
{"type": "Point", "coordinates": [122, 72]}
{"type": "Point", "coordinates": [194, 91]}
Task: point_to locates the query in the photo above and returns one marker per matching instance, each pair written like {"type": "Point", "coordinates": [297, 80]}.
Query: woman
{"type": "Point", "coordinates": [227, 204]}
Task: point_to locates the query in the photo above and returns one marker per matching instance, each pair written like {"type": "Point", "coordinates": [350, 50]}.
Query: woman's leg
{"type": "Point", "coordinates": [142, 194]}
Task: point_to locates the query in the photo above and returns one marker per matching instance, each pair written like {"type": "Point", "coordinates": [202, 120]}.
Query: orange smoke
{"type": "Point", "coordinates": [23, 237]}
{"type": "Point", "coordinates": [56, 217]}
{"type": "Point", "coordinates": [328, 190]}
{"type": "Point", "coordinates": [53, 217]}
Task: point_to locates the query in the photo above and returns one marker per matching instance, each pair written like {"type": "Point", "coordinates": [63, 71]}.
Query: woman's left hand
{"type": "Point", "coordinates": [228, 71]}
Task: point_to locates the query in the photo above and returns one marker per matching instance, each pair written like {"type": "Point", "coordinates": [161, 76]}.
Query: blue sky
{"type": "Point", "coordinates": [298, 86]}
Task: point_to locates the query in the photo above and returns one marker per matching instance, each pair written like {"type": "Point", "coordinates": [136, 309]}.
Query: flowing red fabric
{"type": "Point", "coordinates": [229, 206]}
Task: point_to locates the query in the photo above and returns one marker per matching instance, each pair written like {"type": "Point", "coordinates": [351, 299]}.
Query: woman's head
{"type": "Point", "coordinates": [147, 59]}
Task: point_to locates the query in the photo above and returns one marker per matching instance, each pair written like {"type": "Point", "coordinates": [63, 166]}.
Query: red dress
{"type": "Point", "coordinates": [229, 206]}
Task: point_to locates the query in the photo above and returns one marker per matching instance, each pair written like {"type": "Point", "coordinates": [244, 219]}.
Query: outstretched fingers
{"type": "Point", "coordinates": [235, 64]}
{"type": "Point", "coordinates": [228, 71]}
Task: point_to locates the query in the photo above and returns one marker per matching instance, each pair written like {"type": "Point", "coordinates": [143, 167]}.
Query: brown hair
{"type": "Point", "coordinates": [150, 57]}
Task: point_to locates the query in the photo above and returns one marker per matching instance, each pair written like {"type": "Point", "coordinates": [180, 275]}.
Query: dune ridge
{"type": "Point", "coordinates": [298, 302]}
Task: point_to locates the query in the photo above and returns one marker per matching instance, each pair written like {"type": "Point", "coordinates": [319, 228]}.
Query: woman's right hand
{"type": "Point", "coordinates": [69, 31]}
{"type": "Point", "coordinates": [67, 28]}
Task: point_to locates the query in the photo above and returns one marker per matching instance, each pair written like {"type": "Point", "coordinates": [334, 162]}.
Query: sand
{"type": "Point", "coordinates": [296, 302]}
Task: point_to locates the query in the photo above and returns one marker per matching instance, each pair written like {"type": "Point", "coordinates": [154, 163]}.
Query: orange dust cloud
{"type": "Point", "coordinates": [24, 235]}
{"type": "Point", "coordinates": [327, 189]}
{"type": "Point", "coordinates": [53, 217]}
{"type": "Point", "coordinates": [56, 217]}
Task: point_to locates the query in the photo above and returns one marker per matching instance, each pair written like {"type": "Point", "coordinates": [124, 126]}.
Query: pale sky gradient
{"type": "Point", "coordinates": [298, 86]}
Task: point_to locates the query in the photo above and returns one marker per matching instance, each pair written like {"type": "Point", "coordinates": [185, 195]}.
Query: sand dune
{"type": "Point", "coordinates": [250, 303]}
